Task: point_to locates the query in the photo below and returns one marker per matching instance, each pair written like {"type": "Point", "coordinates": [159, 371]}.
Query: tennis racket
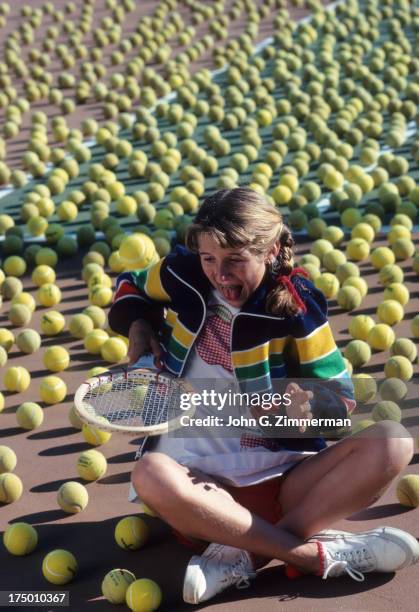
{"type": "Point", "coordinates": [135, 401]}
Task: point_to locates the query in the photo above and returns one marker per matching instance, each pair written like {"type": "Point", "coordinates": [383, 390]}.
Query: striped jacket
{"type": "Point", "coordinates": [172, 296]}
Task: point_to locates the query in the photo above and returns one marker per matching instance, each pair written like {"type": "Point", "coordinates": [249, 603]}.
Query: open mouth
{"type": "Point", "coordinates": [231, 293]}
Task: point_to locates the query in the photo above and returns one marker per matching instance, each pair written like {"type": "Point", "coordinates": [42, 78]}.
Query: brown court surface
{"type": "Point", "coordinates": [47, 458]}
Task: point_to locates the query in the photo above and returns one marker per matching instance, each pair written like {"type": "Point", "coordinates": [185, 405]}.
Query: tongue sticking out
{"type": "Point", "coordinates": [232, 293]}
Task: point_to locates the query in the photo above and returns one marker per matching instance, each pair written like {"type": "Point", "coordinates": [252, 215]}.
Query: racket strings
{"type": "Point", "coordinates": [136, 402]}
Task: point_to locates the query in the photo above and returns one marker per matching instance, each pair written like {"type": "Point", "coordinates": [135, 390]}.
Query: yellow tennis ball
{"type": "Point", "coordinates": [382, 256]}
{"type": "Point", "coordinates": [14, 266]}
{"type": "Point", "coordinates": [52, 389]}
{"type": "Point", "coordinates": [131, 533]}
{"type": "Point", "coordinates": [408, 490]}
{"type": "Point", "coordinates": [95, 436]}
{"type": "Point", "coordinates": [20, 539]}
{"type": "Point", "coordinates": [59, 566]}
{"type": "Point", "coordinates": [359, 327]}
{"type": "Point", "coordinates": [89, 270]}
{"type": "Point", "coordinates": [11, 488]}
{"type": "Point", "coordinates": [348, 298]}
{"type": "Point", "coordinates": [398, 292]}
{"type": "Point", "coordinates": [26, 299]}
{"type": "Point", "coordinates": [97, 314]}
{"type": "Point", "coordinates": [3, 357]}
{"type": "Point", "coordinates": [17, 379]}
{"type": "Point", "coordinates": [393, 389]}
{"type": "Point", "coordinates": [7, 339]}
{"type": "Point", "coordinates": [404, 347]}
{"type": "Point", "coordinates": [328, 284]}
{"type": "Point", "coordinates": [1, 402]}
{"type": "Point", "coordinates": [381, 337]}
{"type": "Point", "coordinates": [19, 315]}
{"type": "Point", "coordinates": [357, 282]}
{"type": "Point", "coordinates": [414, 326]}
{"type": "Point", "coordinates": [386, 410]}
{"type": "Point", "coordinates": [48, 295]}
{"type": "Point", "coordinates": [115, 585]}
{"type": "Point", "coordinates": [94, 340]}
{"type": "Point", "coordinates": [91, 465]}
{"type": "Point", "coordinates": [96, 371]}
{"type": "Point", "coordinates": [80, 325]}
{"type": "Point", "coordinates": [72, 497]}
{"type": "Point", "coordinates": [28, 341]}
{"type": "Point", "coordinates": [8, 459]}
{"type": "Point", "coordinates": [100, 296]}
{"type": "Point", "coordinates": [52, 323]}
{"type": "Point", "coordinates": [361, 425]}
{"type": "Point", "coordinates": [357, 249]}
{"type": "Point", "coordinates": [113, 350]}
{"type": "Point", "coordinates": [43, 275]}
{"type": "Point", "coordinates": [56, 358]}
{"type": "Point", "coordinates": [398, 367]}
{"type": "Point", "coordinates": [137, 251]}
{"type": "Point", "coordinates": [143, 595]}
{"type": "Point", "coordinates": [358, 353]}
{"type": "Point", "coordinates": [365, 387]}
{"type": "Point", "coordinates": [74, 419]}
{"type": "Point", "coordinates": [390, 312]}
{"type": "Point", "coordinates": [29, 415]}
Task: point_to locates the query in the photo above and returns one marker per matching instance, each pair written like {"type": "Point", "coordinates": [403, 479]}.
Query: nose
{"type": "Point", "coordinates": [222, 271]}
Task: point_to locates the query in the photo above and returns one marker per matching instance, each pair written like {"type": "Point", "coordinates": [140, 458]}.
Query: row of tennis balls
{"type": "Point", "coordinates": [60, 566]}
{"type": "Point", "coordinates": [381, 336]}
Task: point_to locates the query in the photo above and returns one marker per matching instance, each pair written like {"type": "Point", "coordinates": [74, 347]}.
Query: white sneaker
{"type": "Point", "coordinates": [215, 570]}
{"type": "Point", "coordinates": [385, 549]}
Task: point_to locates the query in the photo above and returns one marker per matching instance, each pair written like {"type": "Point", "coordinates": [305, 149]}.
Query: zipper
{"type": "Point", "coordinates": [203, 319]}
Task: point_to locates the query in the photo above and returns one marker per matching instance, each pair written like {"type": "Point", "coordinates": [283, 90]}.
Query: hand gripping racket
{"type": "Point", "coordinates": [135, 401]}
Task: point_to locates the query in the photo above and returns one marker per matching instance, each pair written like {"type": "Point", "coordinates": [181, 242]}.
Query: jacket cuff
{"type": "Point", "coordinates": [126, 310]}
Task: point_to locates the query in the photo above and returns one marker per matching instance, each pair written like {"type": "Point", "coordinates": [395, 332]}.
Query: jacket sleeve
{"type": "Point", "coordinates": [319, 358]}
{"type": "Point", "coordinates": [139, 295]}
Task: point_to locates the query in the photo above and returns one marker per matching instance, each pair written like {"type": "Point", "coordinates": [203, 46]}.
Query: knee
{"type": "Point", "coordinates": [147, 475]}
{"type": "Point", "coordinates": [391, 444]}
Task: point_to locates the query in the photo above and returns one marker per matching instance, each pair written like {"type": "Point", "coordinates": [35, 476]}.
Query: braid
{"type": "Point", "coordinates": [280, 298]}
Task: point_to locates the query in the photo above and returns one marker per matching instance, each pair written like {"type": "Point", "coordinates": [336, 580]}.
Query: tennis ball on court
{"type": "Point", "coordinates": [20, 539]}
{"type": "Point", "coordinates": [17, 379]}
{"type": "Point", "coordinates": [320, 247]}
{"type": "Point", "coordinates": [347, 270]}
{"type": "Point", "coordinates": [333, 259]}
{"type": "Point", "coordinates": [3, 357]}
{"type": "Point", "coordinates": [137, 251]}
{"type": "Point", "coordinates": [1, 402]}
{"type": "Point", "coordinates": [365, 387]}
{"type": "Point", "coordinates": [357, 249]}
{"type": "Point", "coordinates": [56, 358]}
{"type": "Point", "coordinates": [91, 465]}
{"type": "Point", "coordinates": [359, 283]}
{"type": "Point", "coordinates": [52, 323]}
{"type": "Point", "coordinates": [398, 367]}
{"type": "Point", "coordinates": [97, 314]}
{"type": "Point", "coordinates": [393, 389]}
{"type": "Point", "coordinates": [72, 497]}
{"type": "Point", "coordinates": [28, 341]}
{"type": "Point", "coordinates": [7, 339]}
{"type": "Point", "coordinates": [59, 566]}
{"type": "Point", "coordinates": [382, 256]}
{"type": "Point", "coordinates": [80, 325]}
{"type": "Point", "coordinates": [348, 298]}
{"type": "Point", "coordinates": [358, 353]}
{"type": "Point", "coordinates": [8, 459]}
{"type": "Point", "coordinates": [363, 230]}
{"type": "Point", "coordinates": [131, 533]}
{"type": "Point", "coordinates": [398, 292]}
{"type": "Point", "coordinates": [95, 436]}
{"type": "Point", "coordinates": [100, 296]}
{"type": "Point", "coordinates": [14, 266]}
{"type": "Point", "coordinates": [386, 410]}
{"type": "Point", "coordinates": [113, 350]}
{"type": "Point", "coordinates": [29, 415]}
{"type": "Point", "coordinates": [48, 295]}
{"type": "Point", "coordinates": [390, 312]}
{"type": "Point", "coordinates": [403, 248]}
{"type": "Point", "coordinates": [381, 337]}
{"type": "Point", "coordinates": [94, 341]}
{"type": "Point", "coordinates": [404, 347]}
{"type": "Point", "coordinates": [74, 419]}
{"type": "Point", "coordinates": [11, 488]}
{"type": "Point", "coordinates": [143, 595]}
{"type": "Point", "coordinates": [328, 284]}
{"type": "Point", "coordinates": [407, 490]}
{"type": "Point", "coordinates": [19, 315]}
{"type": "Point", "coordinates": [361, 425]}
{"type": "Point", "coordinates": [42, 275]}
{"type": "Point", "coordinates": [52, 390]}
{"type": "Point", "coordinates": [115, 585]}
{"type": "Point", "coordinates": [414, 326]}
{"type": "Point", "coordinates": [391, 273]}
{"type": "Point", "coordinates": [26, 299]}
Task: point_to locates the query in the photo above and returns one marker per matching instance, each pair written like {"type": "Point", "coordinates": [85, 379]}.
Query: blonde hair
{"type": "Point", "coordinates": [242, 218]}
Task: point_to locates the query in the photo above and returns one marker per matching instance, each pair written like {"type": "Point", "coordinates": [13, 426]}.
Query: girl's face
{"type": "Point", "coordinates": [235, 273]}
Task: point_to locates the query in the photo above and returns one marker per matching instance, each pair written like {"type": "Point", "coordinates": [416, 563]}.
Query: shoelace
{"type": "Point", "coordinates": [239, 571]}
{"type": "Point", "coordinates": [343, 561]}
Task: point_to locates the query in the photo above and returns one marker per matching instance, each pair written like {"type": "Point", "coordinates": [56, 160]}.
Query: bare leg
{"type": "Point", "coordinates": [337, 482]}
